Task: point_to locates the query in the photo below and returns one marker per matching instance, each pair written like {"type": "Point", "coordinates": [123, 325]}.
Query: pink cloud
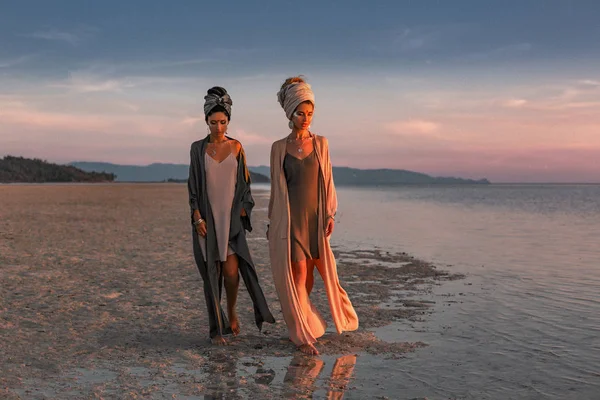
{"type": "Point", "coordinates": [128, 139]}
{"type": "Point", "coordinates": [512, 135]}
{"type": "Point", "coordinates": [19, 118]}
{"type": "Point", "coordinates": [515, 103]}
{"type": "Point", "coordinates": [64, 137]}
{"type": "Point", "coordinates": [251, 138]}
{"type": "Point", "coordinates": [412, 126]}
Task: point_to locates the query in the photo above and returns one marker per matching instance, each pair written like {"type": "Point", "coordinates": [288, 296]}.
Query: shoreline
{"type": "Point", "coordinates": [101, 297]}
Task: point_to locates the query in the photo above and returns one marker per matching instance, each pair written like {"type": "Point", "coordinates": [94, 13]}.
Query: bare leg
{"type": "Point", "coordinates": [299, 270]}
{"type": "Point", "coordinates": [319, 265]}
{"type": "Point", "coordinates": [310, 275]}
{"type": "Point", "coordinates": [232, 283]}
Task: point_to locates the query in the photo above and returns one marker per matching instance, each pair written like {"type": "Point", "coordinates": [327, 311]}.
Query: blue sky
{"type": "Point", "coordinates": [509, 90]}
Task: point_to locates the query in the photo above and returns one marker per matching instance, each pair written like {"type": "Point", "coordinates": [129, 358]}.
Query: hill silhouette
{"type": "Point", "coordinates": [19, 169]}
{"type": "Point", "coordinates": [346, 176]}
{"type": "Point", "coordinates": [156, 172]}
{"type": "Point", "coordinates": [342, 175]}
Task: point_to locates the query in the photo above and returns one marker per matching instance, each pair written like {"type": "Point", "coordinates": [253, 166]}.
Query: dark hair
{"type": "Point", "coordinates": [218, 91]}
{"type": "Point", "coordinates": [217, 109]}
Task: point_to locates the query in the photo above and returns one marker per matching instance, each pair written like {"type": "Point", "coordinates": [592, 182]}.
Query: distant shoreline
{"type": "Point", "coordinates": [343, 185]}
{"type": "Point", "coordinates": [342, 175]}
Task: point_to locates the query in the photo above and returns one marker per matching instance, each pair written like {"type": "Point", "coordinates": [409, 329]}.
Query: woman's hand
{"type": "Point", "coordinates": [201, 228]}
{"type": "Point", "coordinates": [244, 212]}
{"type": "Point", "coordinates": [329, 228]}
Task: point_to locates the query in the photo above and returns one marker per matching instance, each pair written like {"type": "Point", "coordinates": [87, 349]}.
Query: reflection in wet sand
{"type": "Point", "coordinates": [341, 376]}
{"type": "Point", "coordinates": [221, 377]}
{"type": "Point", "coordinates": [303, 372]}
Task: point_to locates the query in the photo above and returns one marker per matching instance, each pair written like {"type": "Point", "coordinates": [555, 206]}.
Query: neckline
{"type": "Point", "coordinates": [215, 160]}
{"type": "Point", "coordinates": [287, 153]}
{"type": "Point", "coordinates": [310, 136]}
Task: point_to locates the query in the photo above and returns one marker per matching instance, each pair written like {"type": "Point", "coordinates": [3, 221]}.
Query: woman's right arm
{"type": "Point", "coordinates": [194, 183]}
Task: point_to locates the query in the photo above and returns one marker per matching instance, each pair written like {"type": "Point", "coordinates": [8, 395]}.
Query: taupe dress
{"type": "Point", "coordinates": [302, 177]}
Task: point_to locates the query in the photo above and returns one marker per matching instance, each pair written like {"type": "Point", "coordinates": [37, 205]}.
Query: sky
{"type": "Point", "coordinates": [507, 90]}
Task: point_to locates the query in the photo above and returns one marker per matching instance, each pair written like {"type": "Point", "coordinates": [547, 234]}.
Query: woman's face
{"type": "Point", "coordinates": [303, 115]}
{"type": "Point", "coordinates": [217, 123]}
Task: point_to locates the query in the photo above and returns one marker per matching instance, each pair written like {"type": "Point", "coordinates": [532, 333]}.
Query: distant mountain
{"type": "Point", "coordinates": [342, 175]}
{"type": "Point", "coordinates": [19, 169]}
{"type": "Point", "coordinates": [149, 173]}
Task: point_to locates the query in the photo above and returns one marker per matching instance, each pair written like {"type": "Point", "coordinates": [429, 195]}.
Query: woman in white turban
{"type": "Point", "coordinates": [302, 211]}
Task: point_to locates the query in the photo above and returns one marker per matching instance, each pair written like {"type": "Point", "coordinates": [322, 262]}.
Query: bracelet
{"type": "Point", "coordinates": [198, 221]}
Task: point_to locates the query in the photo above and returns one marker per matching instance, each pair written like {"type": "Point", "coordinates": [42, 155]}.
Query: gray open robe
{"type": "Point", "coordinates": [211, 270]}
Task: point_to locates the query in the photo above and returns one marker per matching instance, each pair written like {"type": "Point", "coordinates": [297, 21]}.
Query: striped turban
{"type": "Point", "coordinates": [211, 100]}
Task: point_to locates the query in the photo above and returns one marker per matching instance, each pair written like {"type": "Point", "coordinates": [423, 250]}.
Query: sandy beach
{"type": "Point", "coordinates": [100, 298]}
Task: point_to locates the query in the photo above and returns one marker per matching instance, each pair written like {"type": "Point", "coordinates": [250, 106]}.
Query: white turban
{"type": "Point", "coordinates": [293, 94]}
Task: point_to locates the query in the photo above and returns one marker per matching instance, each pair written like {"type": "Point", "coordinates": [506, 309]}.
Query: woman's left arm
{"type": "Point", "coordinates": [331, 201]}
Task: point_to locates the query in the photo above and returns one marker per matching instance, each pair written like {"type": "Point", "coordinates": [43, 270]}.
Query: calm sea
{"type": "Point", "coordinates": [525, 323]}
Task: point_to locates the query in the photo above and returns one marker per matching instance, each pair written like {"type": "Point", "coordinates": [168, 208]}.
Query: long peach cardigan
{"type": "Point", "coordinates": [304, 323]}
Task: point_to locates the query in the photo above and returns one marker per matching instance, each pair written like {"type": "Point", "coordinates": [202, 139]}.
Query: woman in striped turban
{"type": "Point", "coordinates": [221, 204]}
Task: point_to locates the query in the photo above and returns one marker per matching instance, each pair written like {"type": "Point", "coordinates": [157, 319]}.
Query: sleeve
{"type": "Point", "coordinates": [272, 165]}
{"type": "Point", "coordinates": [194, 181]}
{"type": "Point", "coordinates": [247, 199]}
{"type": "Point", "coordinates": [332, 202]}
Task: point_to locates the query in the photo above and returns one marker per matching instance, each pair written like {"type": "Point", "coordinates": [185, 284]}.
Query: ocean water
{"type": "Point", "coordinates": [524, 323]}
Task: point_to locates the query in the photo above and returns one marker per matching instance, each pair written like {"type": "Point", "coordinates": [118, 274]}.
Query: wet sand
{"type": "Point", "coordinates": [100, 298]}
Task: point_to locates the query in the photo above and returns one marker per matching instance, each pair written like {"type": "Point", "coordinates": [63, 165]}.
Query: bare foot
{"type": "Point", "coordinates": [234, 323]}
{"type": "Point", "coordinates": [235, 326]}
{"type": "Point", "coordinates": [309, 349]}
{"type": "Point", "coordinates": [219, 341]}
